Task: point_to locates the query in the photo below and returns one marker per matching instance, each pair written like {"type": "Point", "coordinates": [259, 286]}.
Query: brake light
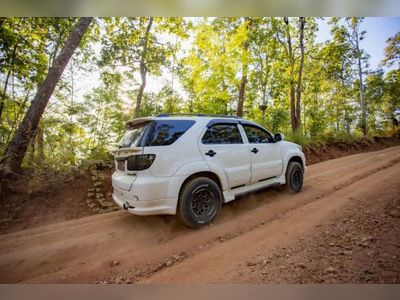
{"type": "Point", "coordinates": [140, 162]}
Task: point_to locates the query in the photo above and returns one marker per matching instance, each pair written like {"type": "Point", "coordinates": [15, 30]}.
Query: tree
{"type": "Point", "coordinates": [23, 57]}
{"type": "Point", "coordinates": [300, 73]}
{"type": "Point", "coordinates": [352, 36]}
{"type": "Point", "coordinates": [392, 51]}
{"type": "Point", "coordinates": [390, 104]}
{"type": "Point", "coordinates": [36, 41]}
{"type": "Point", "coordinates": [210, 73]}
{"type": "Point", "coordinates": [355, 38]}
{"type": "Point", "coordinates": [295, 81]}
{"type": "Point", "coordinates": [135, 44]}
{"type": "Point", "coordinates": [15, 152]}
{"type": "Point", "coordinates": [142, 66]}
{"type": "Point", "coordinates": [269, 70]}
{"type": "Point", "coordinates": [245, 65]}
{"type": "Point", "coordinates": [334, 74]}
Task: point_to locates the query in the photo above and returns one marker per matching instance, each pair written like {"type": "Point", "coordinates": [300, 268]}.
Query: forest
{"type": "Point", "coordinates": [69, 85]}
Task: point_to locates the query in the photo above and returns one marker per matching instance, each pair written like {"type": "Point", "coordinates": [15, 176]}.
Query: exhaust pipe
{"type": "Point", "coordinates": [126, 206]}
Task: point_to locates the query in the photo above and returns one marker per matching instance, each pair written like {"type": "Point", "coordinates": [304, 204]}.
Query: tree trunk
{"type": "Point", "coordinates": [242, 88]}
{"type": "Point", "coordinates": [293, 106]}
{"type": "Point", "coordinates": [143, 73]}
{"type": "Point", "coordinates": [347, 121]}
{"type": "Point", "coordinates": [40, 143]}
{"type": "Point", "coordinates": [304, 122]}
{"type": "Point", "coordinates": [295, 89]}
{"type": "Point", "coordinates": [362, 93]}
{"type": "Point", "coordinates": [243, 81]}
{"type": "Point", "coordinates": [263, 108]}
{"type": "Point", "coordinates": [290, 55]}
{"type": "Point", "coordinates": [362, 100]}
{"type": "Point", "coordinates": [15, 152]}
{"type": "Point", "coordinates": [31, 152]}
{"type": "Point", "coordinates": [298, 89]}
{"type": "Point", "coordinates": [263, 117]}
{"type": "Point", "coordinates": [337, 118]}
{"type": "Point", "coordinates": [143, 68]}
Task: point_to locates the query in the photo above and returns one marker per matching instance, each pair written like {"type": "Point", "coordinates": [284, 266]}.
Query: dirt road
{"type": "Point", "coordinates": [119, 247]}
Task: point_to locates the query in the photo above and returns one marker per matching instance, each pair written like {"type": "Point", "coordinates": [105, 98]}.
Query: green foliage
{"type": "Point", "coordinates": [392, 51]}
{"type": "Point", "coordinates": [201, 62]}
{"type": "Point", "coordinates": [211, 72]}
{"type": "Point", "coordinates": [27, 48]}
{"type": "Point", "coordinates": [300, 139]}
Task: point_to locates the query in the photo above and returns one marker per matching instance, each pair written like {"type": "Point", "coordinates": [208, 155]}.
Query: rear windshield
{"type": "Point", "coordinates": [155, 133]}
{"type": "Point", "coordinates": [132, 137]}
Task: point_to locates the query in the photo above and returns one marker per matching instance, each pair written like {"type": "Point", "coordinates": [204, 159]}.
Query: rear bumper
{"type": "Point", "coordinates": [144, 208]}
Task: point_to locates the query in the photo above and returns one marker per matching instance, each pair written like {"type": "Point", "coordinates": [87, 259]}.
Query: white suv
{"type": "Point", "coordinates": [190, 164]}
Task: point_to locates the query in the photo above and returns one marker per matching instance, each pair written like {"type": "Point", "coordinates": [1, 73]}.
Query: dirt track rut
{"type": "Point", "coordinates": [83, 250]}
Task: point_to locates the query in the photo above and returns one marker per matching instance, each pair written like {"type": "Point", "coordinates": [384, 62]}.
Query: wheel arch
{"type": "Point", "coordinates": [208, 174]}
{"type": "Point", "coordinates": [185, 211]}
{"type": "Point", "coordinates": [296, 158]}
{"type": "Point", "coordinates": [190, 171]}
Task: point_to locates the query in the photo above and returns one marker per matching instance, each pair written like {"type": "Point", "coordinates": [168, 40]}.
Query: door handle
{"type": "Point", "coordinates": [211, 153]}
{"type": "Point", "coordinates": [254, 150]}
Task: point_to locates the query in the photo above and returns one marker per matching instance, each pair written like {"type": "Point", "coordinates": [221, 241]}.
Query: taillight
{"type": "Point", "coordinates": [140, 162]}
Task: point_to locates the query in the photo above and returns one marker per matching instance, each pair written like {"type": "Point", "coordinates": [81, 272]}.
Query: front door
{"type": "Point", "coordinates": [266, 158]}
{"type": "Point", "coordinates": [222, 146]}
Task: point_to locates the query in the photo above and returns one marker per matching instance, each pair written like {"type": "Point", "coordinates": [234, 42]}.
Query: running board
{"type": "Point", "coordinates": [240, 191]}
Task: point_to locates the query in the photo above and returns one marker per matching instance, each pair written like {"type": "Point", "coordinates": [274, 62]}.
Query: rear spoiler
{"type": "Point", "coordinates": [129, 124]}
{"type": "Point", "coordinates": [138, 121]}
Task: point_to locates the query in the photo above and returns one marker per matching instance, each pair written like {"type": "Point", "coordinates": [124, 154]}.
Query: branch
{"type": "Point", "coordinates": [282, 43]}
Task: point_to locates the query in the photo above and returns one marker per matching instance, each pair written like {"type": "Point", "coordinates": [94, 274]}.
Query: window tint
{"type": "Point", "coordinates": [256, 135]}
{"type": "Point", "coordinates": [222, 134]}
{"type": "Point", "coordinates": [167, 131]}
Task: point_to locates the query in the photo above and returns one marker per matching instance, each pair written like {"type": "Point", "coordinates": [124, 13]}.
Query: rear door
{"type": "Point", "coordinates": [222, 145]}
{"type": "Point", "coordinates": [128, 146]}
{"type": "Point", "coordinates": [266, 158]}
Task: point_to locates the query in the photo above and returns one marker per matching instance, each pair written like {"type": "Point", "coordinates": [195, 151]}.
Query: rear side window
{"type": "Point", "coordinates": [222, 134]}
{"type": "Point", "coordinates": [166, 132]}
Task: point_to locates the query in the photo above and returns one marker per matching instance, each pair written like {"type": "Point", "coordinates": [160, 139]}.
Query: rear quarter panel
{"type": "Point", "coordinates": [170, 158]}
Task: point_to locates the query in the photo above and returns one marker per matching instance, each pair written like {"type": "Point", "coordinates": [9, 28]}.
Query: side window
{"type": "Point", "coordinates": [256, 135]}
{"type": "Point", "coordinates": [222, 134]}
{"type": "Point", "coordinates": [166, 132]}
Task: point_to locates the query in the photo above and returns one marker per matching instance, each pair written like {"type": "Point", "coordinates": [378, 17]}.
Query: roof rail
{"type": "Point", "coordinates": [198, 115]}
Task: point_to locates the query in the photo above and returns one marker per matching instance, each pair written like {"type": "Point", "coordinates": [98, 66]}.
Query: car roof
{"type": "Point", "coordinates": [212, 118]}
{"type": "Point", "coordinates": [179, 117]}
{"type": "Point", "coordinates": [199, 115]}
{"type": "Point", "coordinates": [207, 119]}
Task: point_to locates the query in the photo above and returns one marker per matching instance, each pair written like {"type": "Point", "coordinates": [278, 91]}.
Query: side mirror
{"type": "Point", "coordinates": [278, 137]}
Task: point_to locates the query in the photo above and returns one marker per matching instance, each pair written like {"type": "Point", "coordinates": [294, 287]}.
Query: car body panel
{"type": "Point", "coordinates": [156, 189]}
{"type": "Point", "coordinates": [234, 161]}
{"type": "Point", "coordinates": [267, 162]}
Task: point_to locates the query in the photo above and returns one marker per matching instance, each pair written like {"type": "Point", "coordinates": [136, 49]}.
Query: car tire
{"type": "Point", "coordinates": [199, 202]}
{"type": "Point", "coordinates": [294, 177]}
